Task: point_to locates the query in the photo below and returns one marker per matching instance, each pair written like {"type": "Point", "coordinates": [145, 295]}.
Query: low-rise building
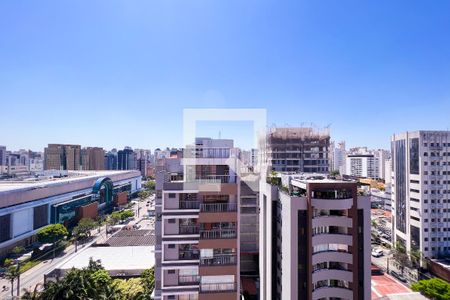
{"type": "Point", "coordinates": [26, 206]}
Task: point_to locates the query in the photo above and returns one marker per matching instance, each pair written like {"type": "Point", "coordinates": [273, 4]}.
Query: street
{"type": "Point", "coordinates": [35, 275]}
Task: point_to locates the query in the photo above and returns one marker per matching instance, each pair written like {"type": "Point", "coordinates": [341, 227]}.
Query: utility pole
{"type": "Point", "coordinates": [18, 278]}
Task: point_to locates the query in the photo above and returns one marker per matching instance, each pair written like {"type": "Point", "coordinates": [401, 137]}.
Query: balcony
{"type": "Point", "coordinates": [215, 179]}
{"type": "Point", "coordinates": [329, 291]}
{"type": "Point", "coordinates": [189, 255]}
{"type": "Point", "coordinates": [188, 229]}
{"type": "Point", "coordinates": [219, 260]}
{"type": "Point", "coordinates": [218, 234]}
{"type": "Point", "coordinates": [218, 207]}
{"type": "Point", "coordinates": [188, 279]}
{"type": "Point", "coordinates": [217, 287]}
{"type": "Point", "coordinates": [189, 204]}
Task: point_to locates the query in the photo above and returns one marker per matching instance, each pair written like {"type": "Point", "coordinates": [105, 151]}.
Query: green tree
{"type": "Point", "coordinates": [84, 228]}
{"type": "Point", "coordinates": [18, 250]}
{"type": "Point", "coordinates": [148, 282]}
{"type": "Point", "coordinates": [52, 233]}
{"type": "Point", "coordinates": [334, 173]}
{"type": "Point", "coordinates": [92, 282]}
{"type": "Point", "coordinates": [150, 185]}
{"type": "Point", "coordinates": [125, 214]}
{"type": "Point", "coordinates": [144, 194]}
{"type": "Point", "coordinates": [434, 288]}
{"type": "Point", "coordinates": [129, 289]}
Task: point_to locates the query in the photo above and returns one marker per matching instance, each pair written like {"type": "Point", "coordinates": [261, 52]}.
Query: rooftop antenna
{"type": "Point", "coordinates": [220, 134]}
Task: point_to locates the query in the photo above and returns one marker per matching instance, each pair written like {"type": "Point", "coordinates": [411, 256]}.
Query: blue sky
{"type": "Point", "coordinates": [116, 73]}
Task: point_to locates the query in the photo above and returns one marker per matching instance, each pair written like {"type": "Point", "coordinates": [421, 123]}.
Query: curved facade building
{"type": "Point", "coordinates": [26, 206]}
{"type": "Point", "coordinates": [314, 239]}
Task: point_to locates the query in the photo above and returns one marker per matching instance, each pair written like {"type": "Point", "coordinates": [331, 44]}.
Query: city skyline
{"type": "Point", "coordinates": [369, 70]}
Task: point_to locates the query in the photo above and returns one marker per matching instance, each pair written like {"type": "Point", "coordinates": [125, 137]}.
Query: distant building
{"type": "Point", "coordinates": [142, 166]}
{"type": "Point", "coordinates": [297, 150]}
{"type": "Point", "coordinates": [339, 157]}
{"type": "Point", "coordinates": [362, 165]}
{"type": "Point", "coordinates": [126, 159]}
{"type": "Point", "coordinates": [111, 160]}
{"type": "Point", "coordinates": [62, 157]}
{"type": "Point", "coordinates": [92, 158]}
{"type": "Point", "coordinates": [2, 155]}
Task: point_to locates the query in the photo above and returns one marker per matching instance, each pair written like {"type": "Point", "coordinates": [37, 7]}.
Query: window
{"type": "Point", "coordinates": [172, 195]}
{"type": "Point", "coordinates": [171, 271]}
{"type": "Point", "coordinates": [171, 221]}
{"type": "Point", "coordinates": [171, 246]}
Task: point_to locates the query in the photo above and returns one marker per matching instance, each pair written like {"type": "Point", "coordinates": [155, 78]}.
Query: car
{"type": "Point", "coordinates": [398, 276]}
{"type": "Point", "coordinates": [377, 252]}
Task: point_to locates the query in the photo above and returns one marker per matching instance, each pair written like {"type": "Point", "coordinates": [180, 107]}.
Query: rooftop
{"type": "Point", "coordinates": [125, 238]}
{"type": "Point", "coordinates": [116, 260]}
{"type": "Point", "coordinates": [73, 177]}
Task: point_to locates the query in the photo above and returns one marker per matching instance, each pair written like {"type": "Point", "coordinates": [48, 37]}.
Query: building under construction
{"type": "Point", "coordinates": [296, 149]}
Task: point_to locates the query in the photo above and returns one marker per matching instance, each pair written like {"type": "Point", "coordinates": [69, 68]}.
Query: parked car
{"type": "Point", "coordinates": [377, 252]}
{"type": "Point", "coordinates": [398, 276]}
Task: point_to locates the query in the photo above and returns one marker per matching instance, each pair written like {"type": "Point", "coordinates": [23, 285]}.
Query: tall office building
{"type": "Point", "coordinates": [296, 150]}
{"type": "Point", "coordinates": [2, 155]}
{"type": "Point", "coordinates": [197, 235]}
{"type": "Point", "coordinates": [314, 239]}
{"type": "Point", "coordinates": [420, 191]}
{"type": "Point", "coordinates": [126, 159]}
{"type": "Point", "coordinates": [62, 157]}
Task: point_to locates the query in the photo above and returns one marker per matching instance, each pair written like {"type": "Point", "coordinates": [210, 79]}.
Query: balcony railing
{"type": "Point", "coordinates": [188, 229]}
{"type": "Point", "coordinates": [219, 260]}
{"type": "Point", "coordinates": [218, 207]}
{"type": "Point", "coordinates": [218, 234]}
{"type": "Point", "coordinates": [188, 254]}
{"type": "Point", "coordinates": [217, 287]}
{"type": "Point", "coordinates": [188, 279]}
{"type": "Point", "coordinates": [215, 179]}
{"type": "Point", "coordinates": [189, 204]}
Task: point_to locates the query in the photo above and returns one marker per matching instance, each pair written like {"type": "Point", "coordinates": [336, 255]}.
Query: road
{"type": "Point", "coordinates": [35, 276]}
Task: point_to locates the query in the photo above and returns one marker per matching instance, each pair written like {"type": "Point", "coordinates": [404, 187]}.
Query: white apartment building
{"type": "Point", "coordinates": [339, 155]}
{"type": "Point", "coordinates": [362, 165]}
{"type": "Point", "coordinates": [421, 191]}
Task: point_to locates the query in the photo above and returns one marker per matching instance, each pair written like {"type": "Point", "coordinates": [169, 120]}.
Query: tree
{"type": "Point", "coordinates": [18, 250]}
{"type": "Point", "coordinates": [334, 173]}
{"type": "Point", "coordinates": [148, 282]}
{"type": "Point", "coordinates": [129, 289]}
{"type": "Point", "coordinates": [401, 256]}
{"type": "Point", "coordinates": [434, 288]}
{"type": "Point", "coordinates": [150, 185]}
{"type": "Point", "coordinates": [84, 228]}
{"type": "Point", "coordinates": [52, 233]}
{"type": "Point", "coordinates": [92, 282]}
{"type": "Point", "coordinates": [11, 274]}
{"type": "Point", "coordinates": [144, 194]}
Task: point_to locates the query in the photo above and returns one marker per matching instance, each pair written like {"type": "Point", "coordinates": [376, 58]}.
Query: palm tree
{"type": "Point", "coordinates": [32, 295]}
{"type": "Point", "coordinates": [11, 275]}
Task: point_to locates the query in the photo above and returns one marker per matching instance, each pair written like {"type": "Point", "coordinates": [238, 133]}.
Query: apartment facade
{"type": "Point", "coordinates": [362, 165]}
{"type": "Point", "coordinates": [197, 252]}
{"type": "Point", "coordinates": [296, 150]}
{"type": "Point", "coordinates": [62, 157]}
{"type": "Point", "coordinates": [314, 239]}
{"type": "Point", "coordinates": [420, 191]}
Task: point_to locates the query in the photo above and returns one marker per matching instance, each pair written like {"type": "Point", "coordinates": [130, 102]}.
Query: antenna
{"type": "Point", "coordinates": [220, 134]}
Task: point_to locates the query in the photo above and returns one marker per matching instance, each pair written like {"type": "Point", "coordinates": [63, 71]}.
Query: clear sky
{"type": "Point", "coordinates": [115, 73]}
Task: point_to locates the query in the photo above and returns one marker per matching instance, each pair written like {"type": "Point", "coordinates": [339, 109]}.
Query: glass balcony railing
{"type": "Point", "coordinates": [218, 207]}
{"type": "Point", "coordinates": [219, 260]}
{"type": "Point", "coordinates": [188, 279]}
{"type": "Point", "coordinates": [218, 234]}
{"type": "Point", "coordinates": [217, 287]}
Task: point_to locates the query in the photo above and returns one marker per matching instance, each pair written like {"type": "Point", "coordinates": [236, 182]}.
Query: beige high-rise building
{"type": "Point", "coordinates": [92, 158]}
{"type": "Point", "coordinates": [62, 157]}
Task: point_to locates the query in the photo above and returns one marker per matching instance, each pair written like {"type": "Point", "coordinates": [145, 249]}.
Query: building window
{"type": "Point", "coordinates": [171, 246]}
{"type": "Point", "coordinates": [171, 221]}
